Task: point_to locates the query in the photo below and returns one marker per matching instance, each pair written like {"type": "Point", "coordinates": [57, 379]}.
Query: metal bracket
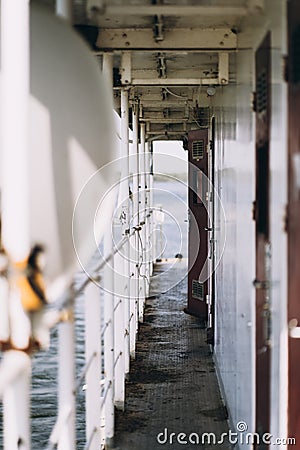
{"type": "Point", "coordinates": [259, 284]}
{"type": "Point", "coordinates": [125, 68]}
{"type": "Point", "coordinates": [223, 68]}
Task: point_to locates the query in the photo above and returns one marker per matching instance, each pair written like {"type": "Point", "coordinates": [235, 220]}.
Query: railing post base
{"type": "Point", "coordinates": [110, 444]}
{"type": "Point", "coordinates": [119, 405]}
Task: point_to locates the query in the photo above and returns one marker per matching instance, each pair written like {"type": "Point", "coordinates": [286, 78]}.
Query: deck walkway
{"type": "Point", "coordinates": [172, 383]}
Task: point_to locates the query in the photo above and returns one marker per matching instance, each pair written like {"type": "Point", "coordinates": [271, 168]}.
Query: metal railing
{"type": "Point", "coordinates": [115, 331]}
{"type": "Point", "coordinates": [111, 319]}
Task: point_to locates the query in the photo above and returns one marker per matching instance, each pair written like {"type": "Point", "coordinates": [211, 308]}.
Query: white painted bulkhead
{"type": "Point", "coordinates": [235, 184]}
{"type": "Point", "coordinates": [235, 332]}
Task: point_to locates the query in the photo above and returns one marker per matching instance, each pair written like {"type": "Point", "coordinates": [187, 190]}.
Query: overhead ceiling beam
{"type": "Point", "coordinates": [222, 78]}
{"type": "Point", "coordinates": [151, 108]}
{"type": "Point", "coordinates": [173, 10]}
{"type": "Point", "coordinates": [158, 105]}
{"type": "Point", "coordinates": [185, 72]}
{"type": "Point", "coordinates": [175, 81]}
{"type": "Point", "coordinates": [167, 133]}
{"type": "Point", "coordinates": [174, 39]}
{"type": "Point", "coordinates": [165, 120]}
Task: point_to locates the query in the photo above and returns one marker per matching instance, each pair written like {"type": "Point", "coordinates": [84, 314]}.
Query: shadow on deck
{"type": "Point", "coordinates": [172, 383]}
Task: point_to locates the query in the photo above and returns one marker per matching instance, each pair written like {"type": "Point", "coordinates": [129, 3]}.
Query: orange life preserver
{"type": "Point", "coordinates": [31, 285]}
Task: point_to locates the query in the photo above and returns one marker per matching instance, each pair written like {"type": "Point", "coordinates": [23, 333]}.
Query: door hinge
{"type": "Point", "coordinates": [254, 101]}
{"type": "Point", "coordinates": [261, 284]}
{"type": "Point", "coordinates": [286, 219]}
{"type": "Point", "coordinates": [285, 68]}
{"type": "Point", "coordinates": [254, 210]}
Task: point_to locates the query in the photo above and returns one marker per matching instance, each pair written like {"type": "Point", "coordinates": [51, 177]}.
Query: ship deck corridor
{"type": "Point", "coordinates": [173, 384]}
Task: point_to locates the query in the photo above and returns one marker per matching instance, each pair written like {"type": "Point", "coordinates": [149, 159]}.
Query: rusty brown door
{"type": "Point", "coordinates": [293, 225]}
{"type": "Point", "coordinates": [263, 255]}
{"type": "Point", "coordinates": [198, 222]}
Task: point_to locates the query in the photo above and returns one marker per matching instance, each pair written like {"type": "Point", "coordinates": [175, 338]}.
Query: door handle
{"type": "Point", "coordinates": [294, 330]}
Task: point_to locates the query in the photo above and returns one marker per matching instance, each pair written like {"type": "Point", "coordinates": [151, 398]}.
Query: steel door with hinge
{"type": "Point", "coordinates": [198, 222]}
{"type": "Point", "coordinates": [293, 220]}
{"type": "Point", "coordinates": [263, 248]}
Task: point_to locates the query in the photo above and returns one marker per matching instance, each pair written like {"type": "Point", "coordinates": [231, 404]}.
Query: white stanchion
{"type": "Point", "coordinates": [126, 271]}
{"type": "Point", "coordinates": [107, 70]}
{"type": "Point", "coordinates": [93, 375]}
{"type": "Point", "coordinates": [66, 384]}
{"type": "Point", "coordinates": [15, 204]}
{"type": "Point", "coordinates": [119, 332]}
{"type": "Point", "coordinates": [14, 128]}
{"type": "Point", "coordinates": [136, 224]}
{"type": "Point", "coordinates": [119, 363]}
{"type": "Point", "coordinates": [109, 340]}
{"type": "Point", "coordinates": [16, 402]}
{"type": "Point", "coordinates": [133, 302]}
{"type": "Point", "coordinates": [152, 250]}
{"type": "Point", "coordinates": [126, 304]}
{"type": "Point", "coordinates": [143, 224]}
{"type": "Point", "coordinates": [148, 218]}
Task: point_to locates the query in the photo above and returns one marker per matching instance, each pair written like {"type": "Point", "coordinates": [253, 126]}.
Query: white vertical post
{"type": "Point", "coordinates": [108, 278]}
{"type": "Point", "coordinates": [107, 70]}
{"type": "Point", "coordinates": [135, 238]}
{"type": "Point", "coordinates": [93, 358]}
{"type": "Point", "coordinates": [148, 218]}
{"type": "Point", "coordinates": [152, 249]}
{"type": "Point", "coordinates": [121, 315]}
{"type": "Point", "coordinates": [64, 9]}
{"type": "Point", "coordinates": [109, 340]}
{"type": "Point", "coordinates": [142, 223]}
{"type": "Point", "coordinates": [14, 129]}
{"type": "Point", "coordinates": [126, 225]}
{"type": "Point", "coordinates": [16, 404]}
{"type": "Point", "coordinates": [15, 194]}
{"type": "Point", "coordinates": [161, 248]}
{"type": "Point", "coordinates": [66, 330]}
{"type": "Point", "coordinates": [142, 170]}
{"type": "Point", "coordinates": [66, 383]}
{"type": "Point", "coordinates": [119, 362]}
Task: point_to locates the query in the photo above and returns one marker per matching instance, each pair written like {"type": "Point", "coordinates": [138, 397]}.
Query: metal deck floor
{"type": "Point", "coordinates": [173, 384]}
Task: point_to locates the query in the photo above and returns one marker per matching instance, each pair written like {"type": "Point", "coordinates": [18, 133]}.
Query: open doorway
{"type": "Point", "coordinates": [170, 193]}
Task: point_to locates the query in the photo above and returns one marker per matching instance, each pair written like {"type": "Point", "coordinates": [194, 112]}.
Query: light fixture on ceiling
{"type": "Point", "coordinates": [211, 91]}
